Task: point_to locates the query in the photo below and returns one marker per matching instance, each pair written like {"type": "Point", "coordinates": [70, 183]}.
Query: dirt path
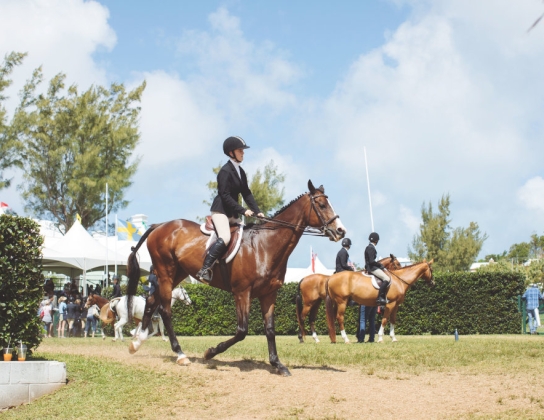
{"type": "Point", "coordinates": [237, 389]}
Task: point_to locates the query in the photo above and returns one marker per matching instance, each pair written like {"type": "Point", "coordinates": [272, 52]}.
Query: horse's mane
{"type": "Point", "coordinates": [287, 205]}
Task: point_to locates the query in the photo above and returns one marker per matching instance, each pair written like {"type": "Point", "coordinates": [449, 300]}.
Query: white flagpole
{"type": "Point", "coordinates": [107, 235]}
{"type": "Point", "coordinates": [368, 187]}
{"type": "Point", "coordinates": [115, 243]}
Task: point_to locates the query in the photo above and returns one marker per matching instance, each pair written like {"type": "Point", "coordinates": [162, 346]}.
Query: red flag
{"type": "Point", "coordinates": [313, 259]}
{"type": "Point", "coordinates": [3, 205]}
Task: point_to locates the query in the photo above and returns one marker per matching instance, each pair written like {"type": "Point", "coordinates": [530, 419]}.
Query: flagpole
{"type": "Point", "coordinates": [115, 243]}
{"type": "Point", "coordinates": [107, 282]}
{"type": "Point", "coordinates": [368, 187]}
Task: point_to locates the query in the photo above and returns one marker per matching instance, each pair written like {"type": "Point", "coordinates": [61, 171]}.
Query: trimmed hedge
{"type": "Point", "coordinates": [21, 281]}
{"type": "Point", "coordinates": [472, 303]}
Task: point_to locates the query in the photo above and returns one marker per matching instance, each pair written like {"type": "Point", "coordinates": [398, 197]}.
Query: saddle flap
{"type": "Point", "coordinates": [236, 233]}
{"type": "Point", "coordinates": [376, 282]}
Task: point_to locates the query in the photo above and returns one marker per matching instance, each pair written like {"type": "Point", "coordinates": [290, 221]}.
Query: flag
{"type": "Point", "coordinates": [126, 231]}
{"type": "Point", "coordinates": [78, 217]}
{"type": "Point", "coordinates": [3, 207]}
{"type": "Point", "coordinates": [313, 256]}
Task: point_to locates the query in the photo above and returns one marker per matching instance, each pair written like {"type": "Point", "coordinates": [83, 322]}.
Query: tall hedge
{"type": "Point", "coordinates": [21, 281]}
{"type": "Point", "coordinates": [472, 303]}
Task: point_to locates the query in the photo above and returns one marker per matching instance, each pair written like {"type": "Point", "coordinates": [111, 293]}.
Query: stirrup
{"type": "Point", "coordinates": [205, 275]}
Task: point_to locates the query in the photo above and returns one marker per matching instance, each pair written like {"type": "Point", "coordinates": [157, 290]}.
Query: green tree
{"type": "Point", "coordinates": [520, 253]}
{"type": "Point", "coordinates": [451, 249]}
{"type": "Point", "coordinates": [72, 145]}
{"type": "Point", "coordinates": [8, 146]}
{"type": "Point", "coordinates": [265, 186]}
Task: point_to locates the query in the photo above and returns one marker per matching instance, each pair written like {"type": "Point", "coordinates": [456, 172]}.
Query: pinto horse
{"type": "Point", "coordinates": [311, 291]}
{"type": "Point", "coordinates": [107, 316]}
{"type": "Point", "coordinates": [177, 249]}
{"type": "Point", "coordinates": [349, 284]}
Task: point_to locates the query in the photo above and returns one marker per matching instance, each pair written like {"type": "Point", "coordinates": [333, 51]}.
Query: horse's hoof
{"type": "Point", "coordinates": [209, 354]}
{"type": "Point", "coordinates": [114, 339]}
{"type": "Point", "coordinates": [184, 361]}
{"type": "Point", "coordinates": [394, 340]}
{"type": "Point", "coordinates": [284, 372]}
{"type": "Point", "coordinates": [165, 339]}
{"type": "Point", "coordinates": [133, 348]}
{"type": "Point", "coordinates": [103, 338]}
{"type": "Point", "coordinates": [317, 341]}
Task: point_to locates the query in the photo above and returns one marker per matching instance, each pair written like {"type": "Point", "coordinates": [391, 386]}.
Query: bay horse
{"type": "Point", "coordinates": [349, 284]}
{"type": "Point", "coordinates": [177, 249]}
{"type": "Point", "coordinates": [311, 291]}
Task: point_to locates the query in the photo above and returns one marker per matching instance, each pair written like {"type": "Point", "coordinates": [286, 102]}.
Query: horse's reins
{"type": "Point", "coordinates": [308, 230]}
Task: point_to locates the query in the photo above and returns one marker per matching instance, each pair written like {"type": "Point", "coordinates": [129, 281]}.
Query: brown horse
{"type": "Point", "coordinates": [177, 249]}
{"type": "Point", "coordinates": [311, 291]}
{"type": "Point", "coordinates": [348, 284]}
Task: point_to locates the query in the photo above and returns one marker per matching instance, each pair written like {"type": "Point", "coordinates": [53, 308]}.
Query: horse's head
{"type": "Point", "coordinates": [428, 274]}
{"type": "Point", "coordinates": [323, 216]}
{"type": "Point", "coordinates": [90, 300]}
{"type": "Point", "coordinates": [394, 264]}
{"type": "Point", "coordinates": [181, 294]}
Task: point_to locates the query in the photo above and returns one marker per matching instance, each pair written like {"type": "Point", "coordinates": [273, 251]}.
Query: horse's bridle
{"type": "Point", "coordinates": [408, 284]}
{"type": "Point", "coordinates": [308, 230]}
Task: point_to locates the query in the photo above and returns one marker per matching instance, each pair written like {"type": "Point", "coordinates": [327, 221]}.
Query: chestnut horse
{"type": "Point", "coordinates": [311, 291]}
{"type": "Point", "coordinates": [348, 284]}
{"type": "Point", "coordinates": [177, 249]}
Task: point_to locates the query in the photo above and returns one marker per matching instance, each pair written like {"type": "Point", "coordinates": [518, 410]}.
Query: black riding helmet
{"type": "Point", "coordinates": [233, 143]}
{"type": "Point", "coordinates": [346, 242]}
{"type": "Point", "coordinates": [374, 237]}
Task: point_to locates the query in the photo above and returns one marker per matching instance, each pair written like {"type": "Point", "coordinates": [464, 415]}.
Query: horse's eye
{"type": "Point", "coordinates": [322, 206]}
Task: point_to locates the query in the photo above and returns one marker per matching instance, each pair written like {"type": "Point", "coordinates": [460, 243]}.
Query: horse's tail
{"type": "Point", "coordinates": [331, 308]}
{"type": "Point", "coordinates": [133, 270]}
{"type": "Point", "coordinates": [299, 309]}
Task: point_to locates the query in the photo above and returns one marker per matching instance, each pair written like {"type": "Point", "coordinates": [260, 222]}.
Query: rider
{"type": "Point", "coordinates": [376, 268]}
{"type": "Point", "coordinates": [231, 182]}
{"type": "Point", "coordinates": [342, 257]}
{"type": "Point", "coordinates": [153, 282]}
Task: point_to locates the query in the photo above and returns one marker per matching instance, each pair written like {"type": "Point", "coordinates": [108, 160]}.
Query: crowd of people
{"type": "Point", "coordinates": [64, 312]}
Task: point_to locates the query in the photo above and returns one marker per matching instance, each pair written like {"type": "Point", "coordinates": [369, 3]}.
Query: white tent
{"type": "Point", "coordinates": [297, 274]}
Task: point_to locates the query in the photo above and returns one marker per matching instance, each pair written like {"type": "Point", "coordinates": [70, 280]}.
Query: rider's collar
{"type": "Point", "coordinates": [236, 166]}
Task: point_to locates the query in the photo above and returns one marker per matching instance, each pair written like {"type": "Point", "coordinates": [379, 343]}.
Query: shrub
{"type": "Point", "coordinates": [21, 281]}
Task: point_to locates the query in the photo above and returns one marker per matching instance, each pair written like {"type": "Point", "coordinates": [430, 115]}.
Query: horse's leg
{"type": "Point", "coordinates": [161, 328]}
{"type": "Point", "coordinates": [119, 328]}
{"type": "Point", "coordinates": [267, 308]}
{"type": "Point", "coordinates": [392, 322]}
{"type": "Point", "coordinates": [313, 317]}
{"type": "Point", "coordinates": [340, 318]}
{"type": "Point", "coordinates": [142, 335]}
{"type": "Point", "coordinates": [301, 329]}
{"type": "Point", "coordinates": [384, 323]}
{"type": "Point", "coordinates": [243, 302]}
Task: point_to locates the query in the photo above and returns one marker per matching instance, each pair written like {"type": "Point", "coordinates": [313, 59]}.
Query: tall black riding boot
{"type": "Point", "coordinates": [215, 251]}
{"type": "Point", "coordinates": [381, 294]}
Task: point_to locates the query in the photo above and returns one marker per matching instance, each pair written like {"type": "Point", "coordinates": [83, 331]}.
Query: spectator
{"type": "Point", "coordinates": [367, 314]}
{"type": "Point", "coordinates": [47, 317]}
{"type": "Point", "coordinates": [62, 317]}
{"type": "Point", "coordinates": [71, 309]}
{"type": "Point", "coordinates": [98, 289]}
{"type": "Point", "coordinates": [83, 317]}
{"type": "Point", "coordinates": [92, 314]}
{"type": "Point", "coordinates": [77, 321]}
{"type": "Point", "coordinates": [532, 297]}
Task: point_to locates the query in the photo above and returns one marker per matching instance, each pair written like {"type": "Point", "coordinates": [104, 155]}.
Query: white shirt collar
{"type": "Point", "coordinates": [237, 166]}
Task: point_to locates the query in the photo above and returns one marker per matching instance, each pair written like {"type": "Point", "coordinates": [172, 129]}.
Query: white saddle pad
{"type": "Point", "coordinates": [372, 279]}
{"type": "Point", "coordinates": [234, 251]}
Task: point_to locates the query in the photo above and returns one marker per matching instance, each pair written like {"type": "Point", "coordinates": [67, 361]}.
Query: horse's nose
{"type": "Point", "coordinates": [341, 231]}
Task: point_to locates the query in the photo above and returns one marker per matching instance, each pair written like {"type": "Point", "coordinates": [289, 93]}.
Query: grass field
{"type": "Point", "coordinates": [104, 379]}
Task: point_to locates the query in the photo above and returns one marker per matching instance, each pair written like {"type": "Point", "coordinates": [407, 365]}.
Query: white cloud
{"type": "Point", "coordinates": [60, 35]}
{"type": "Point", "coordinates": [531, 194]}
{"type": "Point", "coordinates": [410, 220]}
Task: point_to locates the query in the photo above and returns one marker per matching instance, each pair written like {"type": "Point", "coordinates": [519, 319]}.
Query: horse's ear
{"type": "Point", "coordinates": [424, 259]}
{"type": "Point", "coordinates": [430, 262]}
{"type": "Point", "coordinates": [311, 187]}
{"type": "Point", "coordinates": [392, 256]}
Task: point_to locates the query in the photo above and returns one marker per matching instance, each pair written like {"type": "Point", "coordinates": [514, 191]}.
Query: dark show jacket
{"type": "Point", "coordinates": [370, 259]}
{"type": "Point", "coordinates": [229, 187]}
{"type": "Point", "coordinates": [342, 261]}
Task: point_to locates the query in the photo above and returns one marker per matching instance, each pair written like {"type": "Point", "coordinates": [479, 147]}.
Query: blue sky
{"type": "Point", "coordinates": [445, 95]}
